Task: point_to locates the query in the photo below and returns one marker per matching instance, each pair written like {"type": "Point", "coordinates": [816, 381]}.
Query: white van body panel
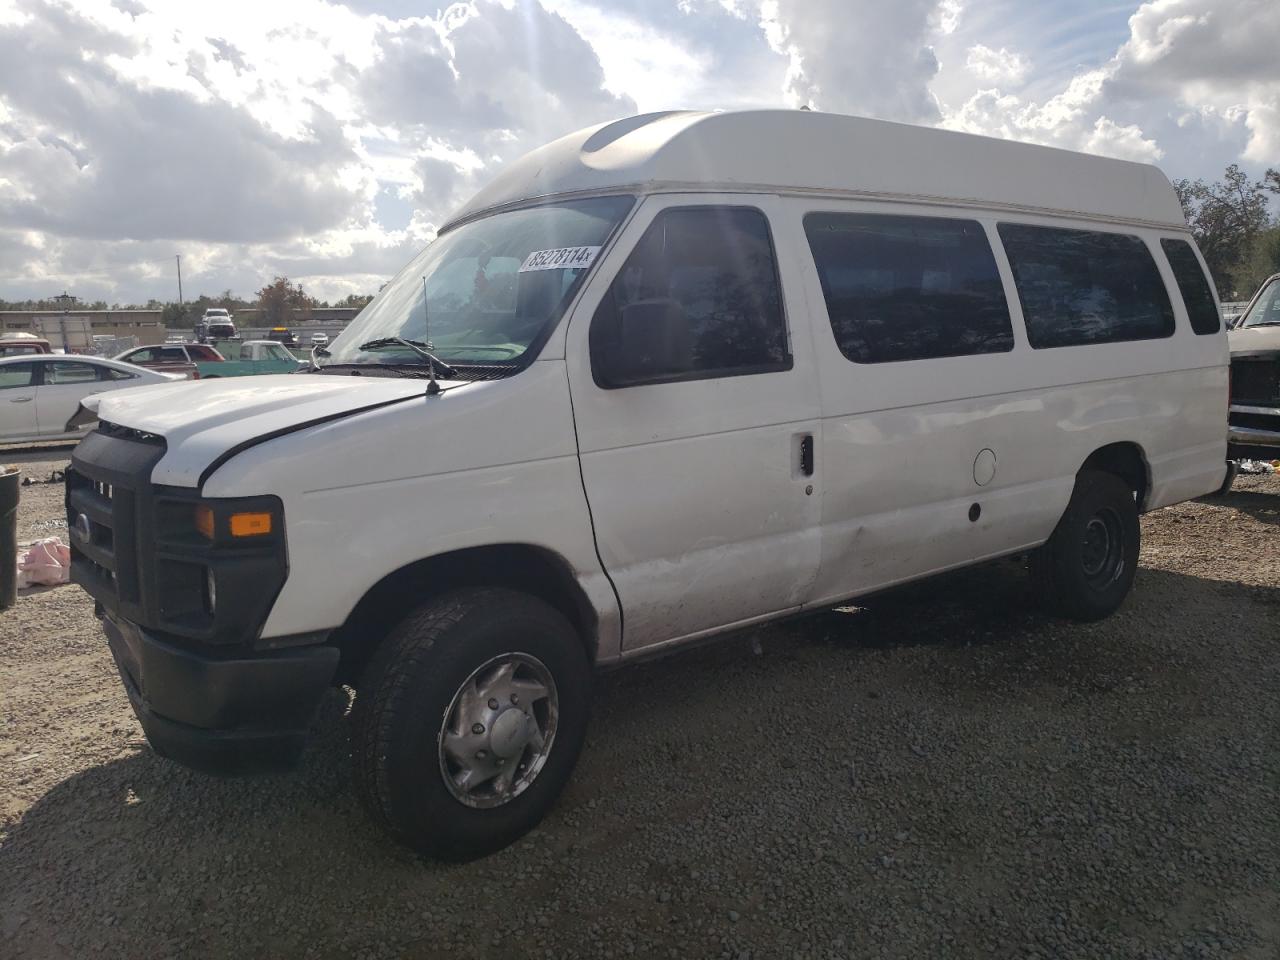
{"type": "Point", "coordinates": [480, 464]}
{"type": "Point", "coordinates": [900, 440]}
{"type": "Point", "coordinates": [784, 151]}
{"type": "Point", "coordinates": [701, 512]}
{"type": "Point", "coordinates": [201, 420]}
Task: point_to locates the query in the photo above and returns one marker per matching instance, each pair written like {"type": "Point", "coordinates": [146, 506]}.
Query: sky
{"type": "Point", "coordinates": [325, 141]}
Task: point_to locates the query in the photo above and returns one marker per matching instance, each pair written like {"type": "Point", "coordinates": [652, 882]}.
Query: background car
{"type": "Point", "coordinates": [38, 395]}
{"type": "Point", "coordinates": [282, 335]}
{"type": "Point", "coordinates": [172, 357]}
{"type": "Point", "coordinates": [22, 344]}
{"type": "Point", "coordinates": [319, 339]}
{"type": "Point", "coordinates": [216, 324]}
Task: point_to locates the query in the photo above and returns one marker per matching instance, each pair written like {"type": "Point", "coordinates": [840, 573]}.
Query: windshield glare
{"type": "Point", "coordinates": [1266, 309]}
{"type": "Point", "coordinates": [492, 287]}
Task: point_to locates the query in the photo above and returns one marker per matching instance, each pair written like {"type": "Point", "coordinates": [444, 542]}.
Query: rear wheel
{"type": "Point", "coordinates": [1085, 570]}
{"type": "Point", "coordinates": [469, 720]}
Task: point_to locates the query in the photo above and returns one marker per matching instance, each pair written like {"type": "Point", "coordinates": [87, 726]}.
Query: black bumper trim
{"type": "Point", "coordinates": [226, 716]}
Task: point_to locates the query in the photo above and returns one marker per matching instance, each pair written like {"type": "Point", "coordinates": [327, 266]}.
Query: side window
{"type": "Point", "coordinates": [141, 356]}
{"type": "Point", "coordinates": [698, 297]}
{"type": "Point", "coordinates": [1193, 285]}
{"type": "Point", "coordinates": [61, 373]}
{"type": "Point", "coordinates": [16, 375]}
{"type": "Point", "coordinates": [175, 354]}
{"type": "Point", "coordinates": [1081, 286]}
{"type": "Point", "coordinates": [909, 288]}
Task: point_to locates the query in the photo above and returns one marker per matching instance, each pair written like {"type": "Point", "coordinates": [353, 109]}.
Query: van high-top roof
{"type": "Point", "coordinates": [798, 151]}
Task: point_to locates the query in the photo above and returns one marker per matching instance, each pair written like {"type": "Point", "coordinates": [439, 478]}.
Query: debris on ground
{"type": "Point", "coordinates": [1260, 466]}
{"type": "Point", "coordinates": [46, 563]}
{"type": "Point", "coordinates": [57, 476]}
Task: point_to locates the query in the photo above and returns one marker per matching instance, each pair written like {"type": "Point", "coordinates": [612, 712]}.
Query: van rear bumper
{"type": "Point", "coordinates": [222, 715]}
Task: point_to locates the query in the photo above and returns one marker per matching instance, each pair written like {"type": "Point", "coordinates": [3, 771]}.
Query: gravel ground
{"type": "Point", "coordinates": [943, 773]}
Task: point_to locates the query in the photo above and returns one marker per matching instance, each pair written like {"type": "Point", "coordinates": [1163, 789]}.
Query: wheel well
{"type": "Point", "coordinates": [1127, 462]}
{"type": "Point", "coordinates": [530, 569]}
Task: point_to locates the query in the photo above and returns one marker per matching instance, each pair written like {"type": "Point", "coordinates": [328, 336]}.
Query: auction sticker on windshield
{"type": "Point", "coordinates": [571, 258]}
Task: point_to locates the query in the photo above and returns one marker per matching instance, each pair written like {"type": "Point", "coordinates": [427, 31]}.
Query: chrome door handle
{"type": "Point", "coordinates": [21, 400]}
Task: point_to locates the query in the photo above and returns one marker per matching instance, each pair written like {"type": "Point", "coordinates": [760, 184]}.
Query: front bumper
{"type": "Point", "coordinates": [238, 714]}
{"type": "Point", "coordinates": [1253, 433]}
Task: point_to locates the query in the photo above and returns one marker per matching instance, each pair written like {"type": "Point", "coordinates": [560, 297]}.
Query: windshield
{"type": "Point", "coordinates": [493, 287]}
{"type": "Point", "coordinates": [1266, 309]}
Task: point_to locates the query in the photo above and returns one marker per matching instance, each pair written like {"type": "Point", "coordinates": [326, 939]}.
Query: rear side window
{"type": "Point", "coordinates": [61, 373]}
{"type": "Point", "coordinates": [698, 297]}
{"type": "Point", "coordinates": [16, 375]}
{"type": "Point", "coordinates": [202, 353]}
{"type": "Point", "coordinates": [1193, 285]}
{"type": "Point", "coordinates": [909, 288]}
{"type": "Point", "coordinates": [1081, 286]}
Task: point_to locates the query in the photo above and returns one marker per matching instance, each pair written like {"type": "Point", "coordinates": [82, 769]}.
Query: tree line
{"type": "Point", "coordinates": [1234, 227]}
{"type": "Point", "coordinates": [281, 302]}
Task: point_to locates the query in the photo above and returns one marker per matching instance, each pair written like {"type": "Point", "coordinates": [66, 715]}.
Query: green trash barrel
{"type": "Point", "coordinates": [9, 480]}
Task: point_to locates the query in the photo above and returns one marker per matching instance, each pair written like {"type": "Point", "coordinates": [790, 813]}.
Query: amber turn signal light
{"type": "Point", "coordinates": [250, 524]}
{"type": "Point", "coordinates": [204, 521]}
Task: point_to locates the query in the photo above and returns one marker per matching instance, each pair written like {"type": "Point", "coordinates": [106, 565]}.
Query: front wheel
{"type": "Point", "coordinates": [468, 722]}
{"type": "Point", "coordinates": [1086, 568]}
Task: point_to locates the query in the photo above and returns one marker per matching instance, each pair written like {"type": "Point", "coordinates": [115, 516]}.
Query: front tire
{"type": "Point", "coordinates": [469, 720]}
{"type": "Point", "coordinates": [1086, 568]}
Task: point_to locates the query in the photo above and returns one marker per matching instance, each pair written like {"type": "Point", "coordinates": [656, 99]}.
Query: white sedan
{"type": "Point", "coordinates": [39, 394]}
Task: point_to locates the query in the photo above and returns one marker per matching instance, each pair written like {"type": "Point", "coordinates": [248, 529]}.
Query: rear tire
{"type": "Point", "coordinates": [434, 699]}
{"type": "Point", "coordinates": [1086, 568]}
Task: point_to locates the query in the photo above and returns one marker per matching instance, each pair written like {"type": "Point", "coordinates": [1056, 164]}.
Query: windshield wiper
{"type": "Point", "coordinates": [418, 347]}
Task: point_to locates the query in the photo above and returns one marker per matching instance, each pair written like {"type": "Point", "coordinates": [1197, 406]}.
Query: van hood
{"type": "Point", "coordinates": [1253, 340]}
{"type": "Point", "coordinates": [202, 420]}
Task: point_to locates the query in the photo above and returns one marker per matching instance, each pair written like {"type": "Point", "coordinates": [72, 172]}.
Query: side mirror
{"type": "Point", "coordinates": [653, 340]}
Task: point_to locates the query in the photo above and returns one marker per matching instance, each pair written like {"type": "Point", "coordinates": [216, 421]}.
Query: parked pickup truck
{"type": "Point", "coordinates": [254, 357]}
{"type": "Point", "coordinates": [1254, 432]}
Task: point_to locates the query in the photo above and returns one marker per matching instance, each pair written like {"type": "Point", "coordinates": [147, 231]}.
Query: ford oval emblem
{"type": "Point", "coordinates": [82, 528]}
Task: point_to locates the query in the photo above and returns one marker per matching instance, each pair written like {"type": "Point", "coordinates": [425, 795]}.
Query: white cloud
{"type": "Point", "coordinates": [1211, 55]}
{"type": "Point", "coordinates": [856, 56]}
{"type": "Point", "coordinates": [948, 15]}
{"type": "Point", "coordinates": [324, 141]}
{"type": "Point", "coordinates": [1001, 65]}
{"type": "Point", "coordinates": [257, 138]}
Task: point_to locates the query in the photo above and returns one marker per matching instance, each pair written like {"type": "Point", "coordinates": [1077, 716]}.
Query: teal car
{"type": "Point", "coordinates": [253, 357]}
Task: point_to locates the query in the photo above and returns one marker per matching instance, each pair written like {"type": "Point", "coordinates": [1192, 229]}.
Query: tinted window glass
{"type": "Point", "coordinates": [698, 297]}
{"type": "Point", "coordinates": [59, 373]}
{"type": "Point", "coordinates": [16, 375]}
{"type": "Point", "coordinates": [1193, 285]}
{"type": "Point", "coordinates": [909, 288]}
{"type": "Point", "coordinates": [1078, 286]}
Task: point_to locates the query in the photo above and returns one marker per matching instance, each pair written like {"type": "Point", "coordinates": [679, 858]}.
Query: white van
{"type": "Point", "coordinates": [664, 378]}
